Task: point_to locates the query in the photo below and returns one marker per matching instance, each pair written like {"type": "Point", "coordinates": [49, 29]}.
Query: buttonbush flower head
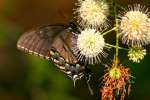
{"type": "Point", "coordinates": [116, 82]}
{"type": "Point", "coordinates": [115, 73]}
{"type": "Point", "coordinates": [135, 26]}
{"type": "Point", "coordinates": [136, 54]}
{"type": "Point", "coordinates": [89, 46]}
{"type": "Point", "coordinates": [92, 13]}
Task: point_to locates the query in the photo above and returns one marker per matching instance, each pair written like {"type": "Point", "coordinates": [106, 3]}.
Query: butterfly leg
{"type": "Point", "coordinates": [88, 78]}
{"type": "Point", "coordinates": [88, 84]}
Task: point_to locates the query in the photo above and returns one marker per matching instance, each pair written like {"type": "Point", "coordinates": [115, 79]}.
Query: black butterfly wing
{"type": "Point", "coordinates": [63, 44]}
{"type": "Point", "coordinates": [38, 41]}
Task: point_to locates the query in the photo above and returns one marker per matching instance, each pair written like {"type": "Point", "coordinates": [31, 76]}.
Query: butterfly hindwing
{"type": "Point", "coordinates": [63, 44]}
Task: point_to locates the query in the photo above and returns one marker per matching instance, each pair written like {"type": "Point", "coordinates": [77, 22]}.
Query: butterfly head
{"type": "Point", "coordinates": [74, 27]}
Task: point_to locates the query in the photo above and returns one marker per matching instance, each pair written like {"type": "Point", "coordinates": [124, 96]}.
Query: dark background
{"type": "Point", "coordinates": [26, 77]}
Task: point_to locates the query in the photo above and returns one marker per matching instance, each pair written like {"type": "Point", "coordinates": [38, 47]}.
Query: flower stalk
{"type": "Point", "coordinates": [114, 46]}
{"type": "Point", "coordinates": [113, 29]}
{"type": "Point", "coordinates": [117, 34]}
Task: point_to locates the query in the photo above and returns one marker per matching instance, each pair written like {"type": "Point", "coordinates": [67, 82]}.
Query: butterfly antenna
{"type": "Point", "coordinates": [88, 78]}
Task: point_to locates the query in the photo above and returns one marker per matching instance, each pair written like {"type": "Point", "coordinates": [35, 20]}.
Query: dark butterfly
{"type": "Point", "coordinates": [53, 42]}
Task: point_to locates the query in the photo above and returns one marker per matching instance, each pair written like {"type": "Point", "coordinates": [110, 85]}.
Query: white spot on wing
{"type": "Point", "coordinates": [32, 52]}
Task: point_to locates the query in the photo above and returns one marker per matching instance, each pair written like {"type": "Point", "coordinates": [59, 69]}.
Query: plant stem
{"type": "Point", "coordinates": [109, 31]}
{"type": "Point", "coordinates": [117, 34]}
{"type": "Point", "coordinates": [115, 47]}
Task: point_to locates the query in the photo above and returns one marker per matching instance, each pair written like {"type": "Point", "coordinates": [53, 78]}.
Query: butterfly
{"type": "Point", "coordinates": [53, 42]}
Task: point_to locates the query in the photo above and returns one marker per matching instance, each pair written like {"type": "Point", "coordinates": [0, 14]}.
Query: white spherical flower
{"type": "Point", "coordinates": [89, 46]}
{"type": "Point", "coordinates": [92, 13]}
{"type": "Point", "coordinates": [136, 54]}
{"type": "Point", "coordinates": [135, 26]}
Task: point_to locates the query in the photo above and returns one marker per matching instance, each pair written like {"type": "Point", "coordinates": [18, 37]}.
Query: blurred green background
{"type": "Point", "coordinates": [26, 77]}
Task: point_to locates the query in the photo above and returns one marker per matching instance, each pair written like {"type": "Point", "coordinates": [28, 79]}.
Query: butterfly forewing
{"type": "Point", "coordinates": [38, 41]}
